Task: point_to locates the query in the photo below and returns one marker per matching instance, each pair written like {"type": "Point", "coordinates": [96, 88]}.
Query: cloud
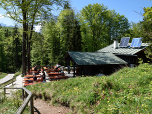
{"type": "Point", "coordinates": [1, 16]}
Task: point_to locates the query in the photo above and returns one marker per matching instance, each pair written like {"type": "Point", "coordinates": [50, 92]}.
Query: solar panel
{"type": "Point", "coordinates": [124, 42]}
{"type": "Point", "coordinates": [136, 42]}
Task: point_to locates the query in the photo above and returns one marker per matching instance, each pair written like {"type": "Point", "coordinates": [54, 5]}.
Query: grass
{"type": "Point", "coordinates": [2, 75]}
{"type": "Point", "coordinates": [15, 75]}
{"type": "Point", "coordinates": [11, 104]}
{"type": "Point", "coordinates": [126, 91]}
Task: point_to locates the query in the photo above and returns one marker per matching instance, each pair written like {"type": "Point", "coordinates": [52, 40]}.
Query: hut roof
{"type": "Point", "coordinates": [94, 58]}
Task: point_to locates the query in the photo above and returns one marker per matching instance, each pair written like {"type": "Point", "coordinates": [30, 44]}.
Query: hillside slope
{"type": "Point", "coordinates": [126, 91]}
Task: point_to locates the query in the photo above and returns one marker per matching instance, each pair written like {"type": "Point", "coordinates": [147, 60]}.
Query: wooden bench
{"type": "Point", "coordinates": [31, 76]}
{"type": "Point", "coordinates": [54, 74]}
{"type": "Point", "coordinates": [26, 84]}
{"type": "Point", "coordinates": [25, 79]}
{"type": "Point", "coordinates": [57, 77]}
{"type": "Point", "coordinates": [29, 79]}
{"type": "Point", "coordinates": [29, 84]}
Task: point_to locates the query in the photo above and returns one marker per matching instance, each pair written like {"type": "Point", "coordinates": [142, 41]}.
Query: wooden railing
{"type": "Point", "coordinates": [27, 99]}
{"type": "Point", "coordinates": [10, 82]}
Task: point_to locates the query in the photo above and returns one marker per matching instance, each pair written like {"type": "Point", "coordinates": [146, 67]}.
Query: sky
{"type": "Point", "coordinates": [132, 9]}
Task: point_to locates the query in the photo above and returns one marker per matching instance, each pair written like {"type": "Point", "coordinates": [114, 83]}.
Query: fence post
{"type": "Point", "coordinates": [12, 81]}
{"type": "Point", "coordinates": [31, 105]}
{"type": "Point", "coordinates": [22, 93]}
{"type": "Point", "coordinates": [4, 92]}
{"type": "Point", "coordinates": [25, 94]}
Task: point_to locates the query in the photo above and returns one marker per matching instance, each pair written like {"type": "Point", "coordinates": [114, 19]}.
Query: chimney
{"type": "Point", "coordinates": [115, 44]}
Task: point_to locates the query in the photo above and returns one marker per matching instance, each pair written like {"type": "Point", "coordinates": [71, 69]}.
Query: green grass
{"type": "Point", "coordinates": [2, 75]}
{"type": "Point", "coordinates": [126, 91]}
{"type": "Point", "coordinates": [15, 75]}
{"type": "Point", "coordinates": [11, 104]}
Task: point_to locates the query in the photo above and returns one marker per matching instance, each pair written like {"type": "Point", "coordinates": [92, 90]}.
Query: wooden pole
{"type": "Point", "coordinates": [23, 94]}
{"type": "Point", "coordinates": [31, 105]}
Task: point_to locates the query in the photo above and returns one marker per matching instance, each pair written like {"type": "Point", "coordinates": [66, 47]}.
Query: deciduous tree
{"type": "Point", "coordinates": [28, 12]}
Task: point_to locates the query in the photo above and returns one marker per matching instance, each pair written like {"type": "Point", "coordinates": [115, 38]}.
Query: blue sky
{"type": "Point", "coordinates": [123, 7]}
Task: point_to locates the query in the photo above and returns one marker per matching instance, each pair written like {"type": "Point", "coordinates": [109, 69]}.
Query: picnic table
{"type": "Point", "coordinates": [28, 79]}
{"type": "Point", "coordinates": [29, 76]}
{"type": "Point", "coordinates": [32, 83]}
{"type": "Point", "coordinates": [31, 72]}
{"type": "Point", "coordinates": [54, 73]}
{"type": "Point", "coordinates": [52, 78]}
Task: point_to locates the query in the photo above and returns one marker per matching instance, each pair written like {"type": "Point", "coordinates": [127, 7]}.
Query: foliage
{"type": "Point", "coordinates": [126, 91]}
{"type": "Point", "coordinates": [2, 56]}
{"type": "Point", "coordinates": [2, 75]}
{"type": "Point", "coordinates": [39, 51]}
{"type": "Point", "coordinates": [28, 13]}
{"type": "Point", "coordinates": [147, 30]}
{"type": "Point", "coordinates": [135, 31]}
{"type": "Point", "coordinates": [100, 26]}
{"type": "Point", "coordinates": [11, 104]}
{"type": "Point", "coordinates": [10, 49]}
{"type": "Point", "coordinates": [62, 35]}
{"type": "Point", "coordinates": [52, 40]}
{"type": "Point", "coordinates": [93, 28]}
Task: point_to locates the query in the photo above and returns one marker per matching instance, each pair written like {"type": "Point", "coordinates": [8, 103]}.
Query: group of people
{"type": "Point", "coordinates": [41, 72]}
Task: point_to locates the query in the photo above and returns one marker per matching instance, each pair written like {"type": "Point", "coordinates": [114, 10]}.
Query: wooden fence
{"type": "Point", "coordinates": [10, 82]}
{"type": "Point", "coordinates": [24, 96]}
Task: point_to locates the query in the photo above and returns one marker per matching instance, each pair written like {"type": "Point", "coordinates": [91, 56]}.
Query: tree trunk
{"type": "Point", "coordinates": [28, 55]}
{"type": "Point", "coordinates": [28, 48]}
{"type": "Point", "coordinates": [24, 41]}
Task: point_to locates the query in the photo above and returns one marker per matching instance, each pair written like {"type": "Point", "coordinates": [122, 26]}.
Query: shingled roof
{"type": "Point", "coordinates": [95, 58]}
{"type": "Point", "coordinates": [125, 51]}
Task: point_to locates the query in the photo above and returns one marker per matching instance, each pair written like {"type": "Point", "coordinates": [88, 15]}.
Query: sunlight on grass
{"type": "Point", "coordinates": [126, 91]}
{"type": "Point", "coordinates": [2, 75]}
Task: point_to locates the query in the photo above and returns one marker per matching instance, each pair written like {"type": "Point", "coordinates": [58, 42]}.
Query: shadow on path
{"type": "Point", "coordinates": [36, 110]}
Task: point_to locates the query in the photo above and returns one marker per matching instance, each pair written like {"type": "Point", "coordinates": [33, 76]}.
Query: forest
{"type": "Point", "coordinates": [90, 29]}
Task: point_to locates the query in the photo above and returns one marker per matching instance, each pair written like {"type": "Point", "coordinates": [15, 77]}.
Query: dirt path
{"type": "Point", "coordinates": [41, 107]}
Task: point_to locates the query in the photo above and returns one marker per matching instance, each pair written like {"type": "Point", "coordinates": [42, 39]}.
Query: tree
{"type": "Point", "coordinates": [39, 52]}
{"type": "Point", "coordinates": [70, 34]}
{"type": "Point", "coordinates": [2, 56]}
{"type": "Point", "coordinates": [135, 31]}
{"type": "Point", "coordinates": [28, 12]}
{"type": "Point", "coordinates": [62, 34]}
{"type": "Point", "coordinates": [101, 26]}
{"type": "Point", "coordinates": [70, 30]}
{"type": "Point", "coordinates": [94, 17]}
{"type": "Point", "coordinates": [52, 36]}
{"type": "Point", "coordinates": [147, 30]}
{"type": "Point", "coordinates": [17, 48]}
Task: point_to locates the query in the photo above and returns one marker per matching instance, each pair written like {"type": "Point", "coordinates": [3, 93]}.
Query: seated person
{"type": "Point", "coordinates": [43, 76]}
{"type": "Point", "coordinates": [34, 78]}
{"type": "Point", "coordinates": [35, 68]}
{"type": "Point", "coordinates": [62, 73]}
{"type": "Point", "coordinates": [57, 66]}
